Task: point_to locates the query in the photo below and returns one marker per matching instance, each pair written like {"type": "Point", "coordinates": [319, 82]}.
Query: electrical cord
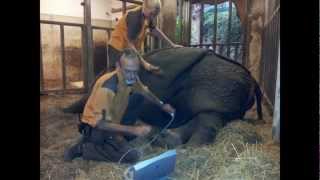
{"type": "Point", "coordinates": [151, 141]}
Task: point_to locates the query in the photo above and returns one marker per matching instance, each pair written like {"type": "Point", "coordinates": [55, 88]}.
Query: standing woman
{"type": "Point", "coordinates": [131, 30]}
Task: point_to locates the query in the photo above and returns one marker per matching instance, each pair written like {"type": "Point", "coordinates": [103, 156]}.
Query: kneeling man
{"type": "Point", "coordinates": [104, 116]}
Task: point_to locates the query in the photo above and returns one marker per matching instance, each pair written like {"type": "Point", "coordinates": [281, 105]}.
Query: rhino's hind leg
{"type": "Point", "coordinates": [208, 123]}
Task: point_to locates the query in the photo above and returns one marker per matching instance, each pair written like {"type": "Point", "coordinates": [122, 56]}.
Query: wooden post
{"type": "Point", "coordinates": [41, 66]}
{"type": "Point", "coordinates": [276, 110]}
{"type": "Point", "coordinates": [88, 41]}
{"type": "Point", "coordinates": [186, 22]}
{"type": "Point", "coordinates": [167, 18]}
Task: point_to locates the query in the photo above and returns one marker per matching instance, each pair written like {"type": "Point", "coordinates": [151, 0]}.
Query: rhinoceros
{"type": "Point", "coordinates": [206, 89]}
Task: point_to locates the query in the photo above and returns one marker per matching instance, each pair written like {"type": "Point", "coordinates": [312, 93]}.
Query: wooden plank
{"type": "Point", "coordinates": [59, 23]}
{"type": "Point", "coordinates": [167, 19]}
{"type": "Point", "coordinates": [67, 91]}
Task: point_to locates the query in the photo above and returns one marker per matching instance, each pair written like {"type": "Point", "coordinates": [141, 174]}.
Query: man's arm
{"type": "Point", "coordinates": [144, 90]}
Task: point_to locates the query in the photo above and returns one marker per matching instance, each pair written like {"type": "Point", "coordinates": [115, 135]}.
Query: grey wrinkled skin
{"type": "Point", "coordinates": [206, 90]}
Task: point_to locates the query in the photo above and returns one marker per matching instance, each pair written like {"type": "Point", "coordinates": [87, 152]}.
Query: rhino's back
{"type": "Point", "coordinates": [219, 85]}
{"type": "Point", "coordinates": [173, 62]}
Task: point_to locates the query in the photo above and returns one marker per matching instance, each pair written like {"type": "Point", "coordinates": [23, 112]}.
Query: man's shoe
{"type": "Point", "coordinates": [73, 152]}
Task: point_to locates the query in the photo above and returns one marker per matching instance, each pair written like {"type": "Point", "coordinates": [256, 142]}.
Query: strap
{"type": "Point", "coordinates": [84, 129]}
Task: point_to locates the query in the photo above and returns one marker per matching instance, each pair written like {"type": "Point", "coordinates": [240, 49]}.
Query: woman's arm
{"type": "Point", "coordinates": [158, 33]}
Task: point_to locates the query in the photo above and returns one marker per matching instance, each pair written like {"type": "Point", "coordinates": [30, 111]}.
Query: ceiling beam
{"type": "Point", "coordinates": [116, 10]}
{"type": "Point", "coordinates": [133, 2]}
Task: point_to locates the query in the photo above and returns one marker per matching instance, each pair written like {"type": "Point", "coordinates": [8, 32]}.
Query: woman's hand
{"type": "Point", "coordinates": [177, 46]}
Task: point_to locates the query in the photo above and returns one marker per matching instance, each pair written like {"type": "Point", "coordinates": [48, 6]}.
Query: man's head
{"type": "Point", "coordinates": [151, 8]}
{"type": "Point", "coordinates": [129, 66]}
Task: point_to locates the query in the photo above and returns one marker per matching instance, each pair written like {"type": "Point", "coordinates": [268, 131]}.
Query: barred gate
{"type": "Point", "coordinates": [227, 48]}
{"type": "Point", "coordinates": [62, 83]}
{"type": "Point", "coordinates": [270, 45]}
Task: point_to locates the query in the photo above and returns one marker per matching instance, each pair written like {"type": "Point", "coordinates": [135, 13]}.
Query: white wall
{"type": "Point", "coordinates": [74, 9]}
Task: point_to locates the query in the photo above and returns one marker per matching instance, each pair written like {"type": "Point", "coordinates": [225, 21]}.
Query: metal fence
{"type": "Point", "coordinates": [64, 89]}
{"type": "Point", "coordinates": [220, 48]}
{"type": "Point", "coordinates": [232, 50]}
{"type": "Point", "coordinates": [269, 61]}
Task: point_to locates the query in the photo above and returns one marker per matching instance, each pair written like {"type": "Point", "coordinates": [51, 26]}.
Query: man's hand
{"type": "Point", "coordinates": [168, 108]}
{"type": "Point", "coordinates": [142, 130]}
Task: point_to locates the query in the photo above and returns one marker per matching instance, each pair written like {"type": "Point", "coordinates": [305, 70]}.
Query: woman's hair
{"type": "Point", "coordinates": [152, 4]}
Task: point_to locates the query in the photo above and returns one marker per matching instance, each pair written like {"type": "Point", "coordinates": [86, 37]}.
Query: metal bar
{"type": "Point", "coordinates": [236, 53]}
{"type": "Point", "coordinates": [63, 57]}
{"type": "Point", "coordinates": [41, 66]}
{"type": "Point", "coordinates": [133, 2]}
{"type": "Point", "coordinates": [229, 27]}
{"type": "Point", "coordinates": [89, 41]}
{"type": "Point", "coordinates": [109, 33]}
{"type": "Point", "coordinates": [244, 32]}
{"type": "Point", "coordinates": [60, 23]}
{"type": "Point", "coordinates": [221, 49]}
{"type": "Point", "coordinates": [72, 24]}
{"type": "Point", "coordinates": [83, 58]}
{"type": "Point", "coordinates": [215, 25]}
{"type": "Point", "coordinates": [201, 23]}
{"type": "Point", "coordinates": [180, 20]}
{"type": "Point", "coordinates": [124, 7]}
{"type": "Point", "coordinates": [101, 28]}
{"type": "Point", "coordinates": [189, 9]}
{"type": "Point", "coordinates": [208, 1]}
{"type": "Point", "coordinates": [67, 91]}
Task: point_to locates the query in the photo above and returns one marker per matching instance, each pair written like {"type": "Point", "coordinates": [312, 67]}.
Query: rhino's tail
{"type": "Point", "coordinates": [78, 106]}
{"type": "Point", "coordinates": [258, 94]}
